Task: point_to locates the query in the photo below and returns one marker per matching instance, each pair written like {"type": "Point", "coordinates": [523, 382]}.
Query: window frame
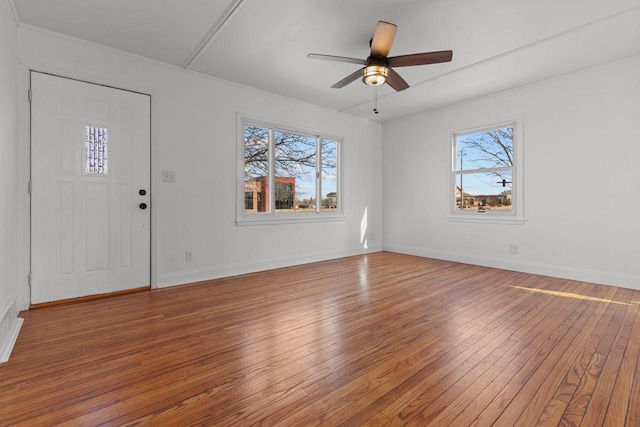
{"type": "Point", "coordinates": [273, 217]}
{"type": "Point", "coordinates": [516, 215]}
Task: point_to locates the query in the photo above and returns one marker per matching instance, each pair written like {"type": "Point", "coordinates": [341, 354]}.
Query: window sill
{"type": "Point", "coordinates": [271, 220]}
{"type": "Point", "coordinates": [486, 219]}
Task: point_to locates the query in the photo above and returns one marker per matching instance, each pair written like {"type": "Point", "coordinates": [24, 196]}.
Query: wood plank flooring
{"type": "Point", "coordinates": [375, 340]}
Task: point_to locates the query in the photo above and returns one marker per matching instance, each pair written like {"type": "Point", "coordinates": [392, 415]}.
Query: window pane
{"type": "Point", "coordinates": [329, 184]}
{"type": "Point", "coordinates": [256, 169]}
{"type": "Point", "coordinates": [487, 149]}
{"type": "Point", "coordinates": [295, 172]}
{"type": "Point", "coordinates": [486, 191]}
{"type": "Point", "coordinates": [96, 151]}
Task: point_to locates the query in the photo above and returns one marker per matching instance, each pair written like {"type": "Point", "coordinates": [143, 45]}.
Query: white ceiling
{"type": "Point", "coordinates": [497, 44]}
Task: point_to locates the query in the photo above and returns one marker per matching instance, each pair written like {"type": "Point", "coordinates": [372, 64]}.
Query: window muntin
{"type": "Point", "coordinates": [288, 173]}
{"type": "Point", "coordinates": [483, 171]}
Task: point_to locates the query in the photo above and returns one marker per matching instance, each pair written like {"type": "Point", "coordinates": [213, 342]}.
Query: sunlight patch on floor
{"type": "Point", "coordinates": [570, 295]}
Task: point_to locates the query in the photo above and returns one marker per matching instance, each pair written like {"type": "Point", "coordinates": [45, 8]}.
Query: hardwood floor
{"type": "Point", "coordinates": [377, 340]}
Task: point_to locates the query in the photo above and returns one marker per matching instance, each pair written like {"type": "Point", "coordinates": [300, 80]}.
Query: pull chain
{"type": "Point", "coordinates": [375, 99]}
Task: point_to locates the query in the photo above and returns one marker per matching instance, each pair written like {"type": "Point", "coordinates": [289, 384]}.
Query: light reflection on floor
{"type": "Point", "coordinates": [301, 351]}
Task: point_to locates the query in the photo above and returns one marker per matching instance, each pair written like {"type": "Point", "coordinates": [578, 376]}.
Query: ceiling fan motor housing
{"type": "Point", "coordinates": [374, 74]}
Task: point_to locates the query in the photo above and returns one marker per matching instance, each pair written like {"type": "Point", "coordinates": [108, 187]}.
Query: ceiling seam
{"type": "Point", "coordinates": [214, 31]}
{"type": "Point", "coordinates": [14, 11]}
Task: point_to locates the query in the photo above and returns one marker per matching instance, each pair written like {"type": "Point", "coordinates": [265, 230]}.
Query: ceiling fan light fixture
{"type": "Point", "coordinates": [375, 75]}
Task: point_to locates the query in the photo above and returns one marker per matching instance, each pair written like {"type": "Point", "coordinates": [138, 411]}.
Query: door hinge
{"type": "Point", "coordinates": [30, 187]}
{"type": "Point", "coordinates": [29, 279]}
{"type": "Point", "coordinates": [29, 95]}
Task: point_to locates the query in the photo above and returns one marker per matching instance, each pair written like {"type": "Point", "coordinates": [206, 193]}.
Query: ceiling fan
{"type": "Point", "coordinates": [377, 68]}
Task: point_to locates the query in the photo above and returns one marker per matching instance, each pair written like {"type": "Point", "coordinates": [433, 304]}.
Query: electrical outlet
{"type": "Point", "coordinates": [168, 176]}
{"type": "Point", "coordinates": [514, 249]}
{"type": "Point", "coordinates": [188, 257]}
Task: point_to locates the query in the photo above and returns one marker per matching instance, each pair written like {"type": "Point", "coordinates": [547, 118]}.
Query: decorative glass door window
{"type": "Point", "coordinates": [96, 150]}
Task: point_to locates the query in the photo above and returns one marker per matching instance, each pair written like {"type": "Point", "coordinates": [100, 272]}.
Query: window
{"type": "Point", "coordinates": [288, 174]}
{"type": "Point", "coordinates": [485, 182]}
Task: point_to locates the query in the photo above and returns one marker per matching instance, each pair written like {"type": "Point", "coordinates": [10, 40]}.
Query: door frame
{"type": "Point", "coordinates": [26, 125]}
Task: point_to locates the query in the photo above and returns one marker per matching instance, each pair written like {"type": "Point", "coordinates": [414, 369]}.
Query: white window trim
{"type": "Point", "coordinates": [516, 216]}
{"type": "Point", "coordinates": [268, 218]}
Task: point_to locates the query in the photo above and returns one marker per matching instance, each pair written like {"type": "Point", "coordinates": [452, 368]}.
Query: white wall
{"type": "Point", "coordinates": [10, 285]}
{"type": "Point", "coordinates": [8, 153]}
{"type": "Point", "coordinates": [194, 134]}
{"type": "Point", "coordinates": [581, 179]}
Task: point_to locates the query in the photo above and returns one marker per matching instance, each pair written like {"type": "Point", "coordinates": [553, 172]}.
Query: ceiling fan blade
{"type": "Point", "coordinates": [336, 58]}
{"type": "Point", "coordinates": [395, 81]}
{"type": "Point", "coordinates": [350, 78]}
{"type": "Point", "coordinates": [421, 58]}
{"type": "Point", "coordinates": [383, 39]}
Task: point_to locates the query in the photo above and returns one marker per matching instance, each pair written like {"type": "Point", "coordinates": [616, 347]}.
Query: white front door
{"type": "Point", "coordinates": [90, 193]}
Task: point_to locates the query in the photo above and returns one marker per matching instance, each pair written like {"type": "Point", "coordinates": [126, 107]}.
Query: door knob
{"type": "Point", "coordinates": [143, 206]}
{"type": "Point", "coordinates": [142, 192]}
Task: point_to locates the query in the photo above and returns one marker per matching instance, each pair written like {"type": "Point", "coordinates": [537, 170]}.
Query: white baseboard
{"type": "Point", "coordinates": [210, 273]}
{"type": "Point", "coordinates": [10, 325]}
{"type": "Point", "coordinates": [570, 273]}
